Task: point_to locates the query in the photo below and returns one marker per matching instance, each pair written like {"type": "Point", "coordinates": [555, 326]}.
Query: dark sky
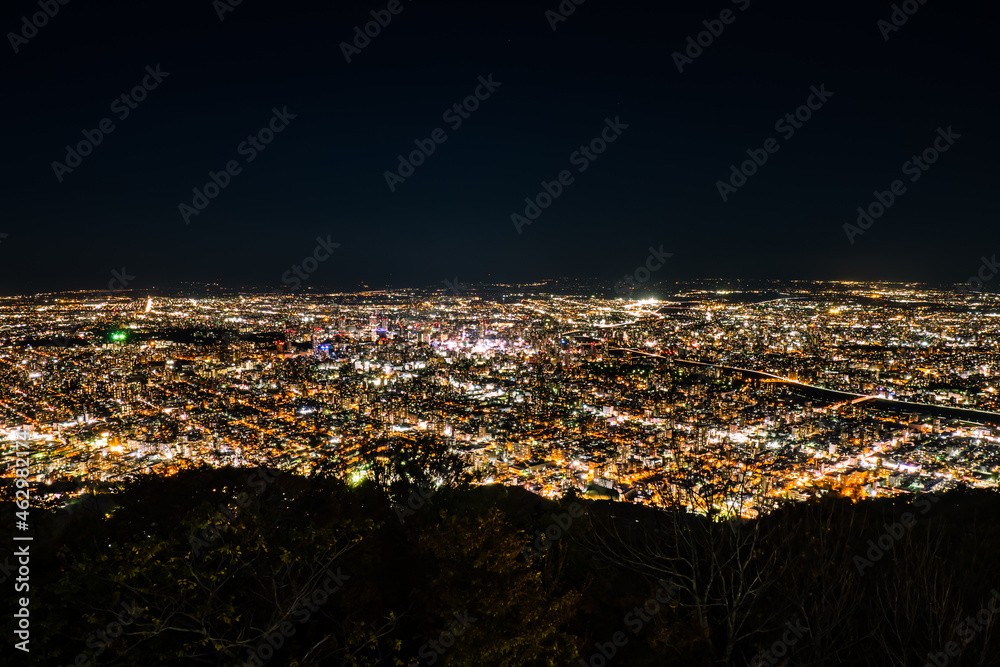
{"type": "Point", "coordinates": [324, 174]}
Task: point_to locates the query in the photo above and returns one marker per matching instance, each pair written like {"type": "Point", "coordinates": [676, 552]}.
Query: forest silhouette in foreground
{"type": "Point", "coordinates": [248, 566]}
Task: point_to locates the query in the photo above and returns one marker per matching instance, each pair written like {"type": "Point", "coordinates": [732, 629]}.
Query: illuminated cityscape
{"type": "Point", "coordinates": [863, 389]}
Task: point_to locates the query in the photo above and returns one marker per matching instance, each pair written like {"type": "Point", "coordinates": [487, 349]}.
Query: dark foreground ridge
{"type": "Point", "coordinates": [249, 566]}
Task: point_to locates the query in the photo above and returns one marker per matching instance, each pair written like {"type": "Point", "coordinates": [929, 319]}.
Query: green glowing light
{"type": "Point", "coordinates": [118, 336]}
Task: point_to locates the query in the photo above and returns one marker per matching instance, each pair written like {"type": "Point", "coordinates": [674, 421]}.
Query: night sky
{"type": "Point", "coordinates": [324, 173]}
